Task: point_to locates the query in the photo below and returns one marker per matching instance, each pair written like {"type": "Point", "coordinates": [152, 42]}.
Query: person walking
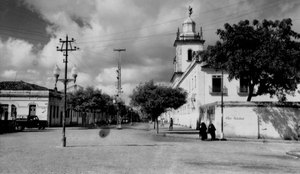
{"type": "Point", "coordinates": [171, 124]}
{"type": "Point", "coordinates": [211, 130]}
{"type": "Point", "coordinates": [202, 131]}
{"type": "Point", "coordinates": [162, 122]}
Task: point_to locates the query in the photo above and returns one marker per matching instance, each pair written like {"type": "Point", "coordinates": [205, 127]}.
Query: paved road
{"type": "Point", "coordinates": [138, 150]}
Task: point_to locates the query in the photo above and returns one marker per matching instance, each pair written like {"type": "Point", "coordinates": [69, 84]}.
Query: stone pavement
{"type": "Point", "coordinates": [188, 133]}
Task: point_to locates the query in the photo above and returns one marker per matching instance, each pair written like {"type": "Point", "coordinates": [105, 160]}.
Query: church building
{"type": "Point", "coordinates": [212, 98]}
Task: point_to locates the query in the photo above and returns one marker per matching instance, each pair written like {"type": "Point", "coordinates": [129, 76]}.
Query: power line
{"type": "Point", "coordinates": [206, 24]}
{"type": "Point", "coordinates": [241, 15]}
{"type": "Point", "coordinates": [22, 31]}
{"type": "Point", "coordinates": [162, 23]}
{"type": "Point", "coordinates": [40, 34]}
{"type": "Point", "coordinates": [128, 38]}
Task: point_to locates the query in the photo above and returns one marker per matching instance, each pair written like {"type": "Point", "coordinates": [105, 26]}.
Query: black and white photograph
{"type": "Point", "coordinates": [149, 86]}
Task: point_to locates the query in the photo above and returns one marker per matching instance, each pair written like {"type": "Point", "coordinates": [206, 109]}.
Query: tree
{"type": "Point", "coordinates": [265, 53]}
{"type": "Point", "coordinates": [155, 99]}
{"type": "Point", "coordinates": [92, 100]}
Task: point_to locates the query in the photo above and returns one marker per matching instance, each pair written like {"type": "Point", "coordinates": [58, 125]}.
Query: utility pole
{"type": "Point", "coordinates": [222, 106]}
{"type": "Point", "coordinates": [66, 46]}
{"type": "Point", "coordinates": [119, 87]}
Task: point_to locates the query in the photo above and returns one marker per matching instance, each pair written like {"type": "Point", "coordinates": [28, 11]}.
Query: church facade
{"type": "Point", "coordinates": [212, 98]}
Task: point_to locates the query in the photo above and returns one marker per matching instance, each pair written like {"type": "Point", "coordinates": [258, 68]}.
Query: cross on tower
{"type": "Point", "coordinates": [190, 11]}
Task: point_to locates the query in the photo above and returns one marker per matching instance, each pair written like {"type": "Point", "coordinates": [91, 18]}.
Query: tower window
{"type": "Point", "coordinates": [190, 55]}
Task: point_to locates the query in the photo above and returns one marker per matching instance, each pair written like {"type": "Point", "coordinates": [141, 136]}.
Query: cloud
{"type": "Point", "coordinates": [147, 29]}
{"type": "Point", "coordinates": [16, 53]}
{"type": "Point", "coordinates": [9, 74]}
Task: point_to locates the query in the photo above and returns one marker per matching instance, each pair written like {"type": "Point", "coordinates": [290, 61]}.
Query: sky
{"type": "Point", "coordinates": [30, 31]}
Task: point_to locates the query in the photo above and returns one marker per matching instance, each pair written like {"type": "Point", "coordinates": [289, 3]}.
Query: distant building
{"type": "Point", "coordinates": [18, 98]}
{"type": "Point", "coordinates": [204, 87]}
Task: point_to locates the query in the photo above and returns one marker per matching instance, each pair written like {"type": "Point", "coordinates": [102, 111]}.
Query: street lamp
{"type": "Point", "coordinates": [222, 106]}
{"type": "Point", "coordinates": [65, 81]}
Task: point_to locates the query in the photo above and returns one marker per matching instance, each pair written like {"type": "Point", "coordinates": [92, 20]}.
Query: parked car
{"type": "Point", "coordinates": [31, 121]}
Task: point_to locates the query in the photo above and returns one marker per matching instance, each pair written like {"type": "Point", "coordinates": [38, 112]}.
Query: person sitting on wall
{"type": "Point", "coordinates": [202, 131]}
{"type": "Point", "coordinates": [211, 130]}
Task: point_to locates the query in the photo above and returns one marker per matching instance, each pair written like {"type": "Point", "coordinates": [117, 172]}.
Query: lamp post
{"type": "Point", "coordinates": [222, 106]}
{"type": "Point", "coordinates": [56, 73]}
{"type": "Point", "coordinates": [117, 101]}
{"type": "Point", "coordinates": [119, 87]}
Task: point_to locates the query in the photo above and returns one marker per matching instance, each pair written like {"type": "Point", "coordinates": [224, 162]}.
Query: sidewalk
{"type": "Point", "coordinates": [185, 132]}
{"type": "Point", "coordinates": [188, 133]}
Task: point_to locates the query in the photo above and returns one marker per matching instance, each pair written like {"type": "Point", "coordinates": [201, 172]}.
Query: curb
{"type": "Point", "coordinates": [195, 137]}
{"type": "Point", "coordinates": [186, 133]}
{"type": "Point", "coordinates": [294, 153]}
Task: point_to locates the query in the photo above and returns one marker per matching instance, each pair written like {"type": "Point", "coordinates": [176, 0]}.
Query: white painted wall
{"type": "Point", "coordinates": [253, 120]}
{"type": "Point", "coordinates": [238, 122]}
{"type": "Point", "coordinates": [39, 98]}
{"type": "Point", "coordinates": [184, 53]}
{"type": "Point", "coordinates": [198, 81]}
{"type": "Point", "coordinates": [232, 86]}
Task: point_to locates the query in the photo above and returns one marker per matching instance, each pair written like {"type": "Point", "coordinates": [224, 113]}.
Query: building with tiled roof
{"type": "Point", "coordinates": [20, 85]}
{"type": "Point", "coordinates": [20, 99]}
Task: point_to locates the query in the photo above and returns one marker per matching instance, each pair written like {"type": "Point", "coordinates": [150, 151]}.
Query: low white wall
{"type": "Point", "coordinates": [256, 119]}
{"type": "Point", "coordinates": [238, 122]}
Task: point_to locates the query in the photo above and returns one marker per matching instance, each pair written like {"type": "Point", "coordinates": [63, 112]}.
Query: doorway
{"type": "Point", "coordinates": [32, 110]}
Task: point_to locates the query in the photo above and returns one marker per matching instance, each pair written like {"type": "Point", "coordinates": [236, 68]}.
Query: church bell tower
{"type": "Point", "coordinates": [187, 42]}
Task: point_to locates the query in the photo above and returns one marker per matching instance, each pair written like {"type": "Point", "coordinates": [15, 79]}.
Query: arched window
{"type": "Point", "coordinates": [190, 55]}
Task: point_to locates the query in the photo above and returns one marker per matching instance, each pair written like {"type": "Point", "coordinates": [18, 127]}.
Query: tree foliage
{"type": "Point", "coordinates": [93, 100]}
{"type": "Point", "coordinates": [90, 99]}
{"type": "Point", "coordinates": [155, 99]}
{"type": "Point", "coordinates": [266, 53]}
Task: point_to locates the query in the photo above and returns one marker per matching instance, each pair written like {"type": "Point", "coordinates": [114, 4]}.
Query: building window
{"type": "Point", "coordinates": [190, 55]}
{"type": "Point", "coordinates": [243, 85]}
{"type": "Point", "coordinates": [216, 83]}
{"type": "Point", "coordinates": [4, 112]}
{"type": "Point", "coordinates": [216, 88]}
{"type": "Point", "coordinates": [13, 111]}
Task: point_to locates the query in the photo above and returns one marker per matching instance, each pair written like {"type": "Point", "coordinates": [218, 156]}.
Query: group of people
{"type": "Point", "coordinates": [203, 130]}
{"type": "Point", "coordinates": [210, 129]}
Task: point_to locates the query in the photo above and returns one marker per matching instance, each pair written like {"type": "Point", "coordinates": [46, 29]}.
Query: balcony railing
{"type": "Point", "coordinates": [217, 91]}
